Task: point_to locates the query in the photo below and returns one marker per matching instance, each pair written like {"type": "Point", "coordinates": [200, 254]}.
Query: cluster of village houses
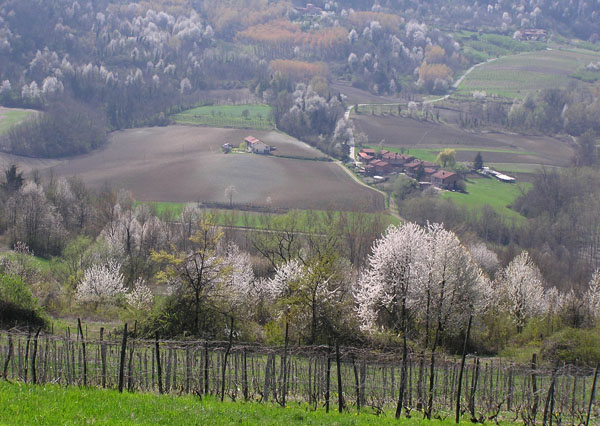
{"type": "Point", "coordinates": [382, 163]}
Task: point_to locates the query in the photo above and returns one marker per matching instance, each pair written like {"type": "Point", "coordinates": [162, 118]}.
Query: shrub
{"type": "Point", "coordinates": [572, 345]}
{"type": "Point", "coordinates": [17, 304]}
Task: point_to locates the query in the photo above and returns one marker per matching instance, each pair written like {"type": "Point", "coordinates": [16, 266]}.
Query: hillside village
{"type": "Point", "coordinates": [383, 163]}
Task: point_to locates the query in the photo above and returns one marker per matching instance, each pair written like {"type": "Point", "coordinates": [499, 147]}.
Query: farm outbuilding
{"type": "Point", "coordinates": [256, 146]}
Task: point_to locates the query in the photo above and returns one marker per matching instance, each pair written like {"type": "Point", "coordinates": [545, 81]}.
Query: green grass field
{"type": "Point", "coordinates": [22, 404]}
{"type": "Point", "coordinates": [237, 116]}
{"type": "Point", "coordinates": [246, 219]}
{"type": "Point", "coordinates": [515, 76]}
{"type": "Point", "coordinates": [11, 116]}
{"type": "Point", "coordinates": [484, 191]}
{"type": "Point", "coordinates": [485, 46]}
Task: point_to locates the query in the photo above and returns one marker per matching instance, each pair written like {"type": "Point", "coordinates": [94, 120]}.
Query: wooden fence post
{"type": "Point", "coordinates": [284, 365]}
{"type": "Point", "coordinates": [83, 349]}
{"type": "Point", "coordinates": [206, 372]}
{"type": "Point", "coordinates": [534, 387]}
{"type": "Point", "coordinates": [122, 363]}
{"type": "Point", "coordinates": [224, 370]}
{"type": "Point", "coordinates": [339, 377]}
{"type": "Point", "coordinates": [130, 363]}
{"type": "Point", "coordinates": [245, 375]}
{"type": "Point", "coordinates": [328, 380]}
{"type": "Point", "coordinates": [103, 356]}
{"type": "Point", "coordinates": [26, 366]}
{"type": "Point", "coordinates": [158, 365]}
{"type": "Point", "coordinates": [549, 397]}
{"type": "Point", "coordinates": [356, 383]}
{"type": "Point", "coordinates": [462, 369]}
{"type": "Point", "coordinates": [35, 346]}
{"type": "Point", "coordinates": [473, 391]}
{"type": "Point", "coordinates": [8, 356]}
{"type": "Point", "coordinates": [593, 394]}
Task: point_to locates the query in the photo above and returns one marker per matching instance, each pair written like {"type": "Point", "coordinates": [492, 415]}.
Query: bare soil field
{"type": "Point", "coordinates": [185, 164]}
{"type": "Point", "coordinates": [411, 133]}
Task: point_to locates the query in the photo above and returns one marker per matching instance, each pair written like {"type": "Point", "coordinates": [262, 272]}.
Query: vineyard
{"type": "Point", "coordinates": [518, 75]}
{"type": "Point", "coordinates": [341, 378]}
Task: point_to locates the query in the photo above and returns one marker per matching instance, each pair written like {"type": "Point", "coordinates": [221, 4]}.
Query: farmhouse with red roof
{"type": "Point", "coordinates": [444, 179]}
{"type": "Point", "coordinates": [256, 146]}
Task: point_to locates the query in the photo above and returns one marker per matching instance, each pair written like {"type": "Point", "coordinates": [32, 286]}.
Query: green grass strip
{"type": "Point", "coordinates": [22, 404]}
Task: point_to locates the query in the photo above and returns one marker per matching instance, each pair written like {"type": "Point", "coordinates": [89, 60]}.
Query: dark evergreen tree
{"type": "Point", "coordinates": [478, 162]}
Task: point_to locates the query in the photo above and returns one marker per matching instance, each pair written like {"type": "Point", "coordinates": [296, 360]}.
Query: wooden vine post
{"type": "Point", "coordinates": [462, 369]}
{"type": "Point", "coordinates": [339, 377]}
{"type": "Point", "coordinates": [327, 380]}
{"type": "Point", "coordinates": [158, 364]}
{"type": "Point", "coordinates": [103, 356]}
{"type": "Point", "coordinates": [122, 363]}
{"type": "Point", "coordinates": [592, 396]}
{"type": "Point", "coordinates": [8, 356]}
{"type": "Point", "coordinates": [80, 330]}
{"type": "Point", "coordinates": [35, 347]}
{"type": "Point", "coordinates": [224, 368]}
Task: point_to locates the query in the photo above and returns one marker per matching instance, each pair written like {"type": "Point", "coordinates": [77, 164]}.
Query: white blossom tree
{"type": "Point", "coordinates": [100, 283]}
{"type": "Point", "coordinates": [520, 291]}
{"type": "Point", "coordinates": [140, 296]}
{"type": "Point", "coordinates": [592, 296]}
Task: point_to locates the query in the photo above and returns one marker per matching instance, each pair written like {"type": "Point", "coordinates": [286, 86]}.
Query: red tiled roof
{"type": "Point", "coordinates": [429, 170]}
{"type": "Point", "coordinates": [414, 164]}
{"type": "Point", "coordinates": [443, 174]}
{"type": "Point", "coordinates": [251, 139]}
{"type": "Point", "coordinates": [368, 151]}
{"type": "Point", "coordinates": [379, 163]}
{"type": "Point", "coordinates": [365, 156]}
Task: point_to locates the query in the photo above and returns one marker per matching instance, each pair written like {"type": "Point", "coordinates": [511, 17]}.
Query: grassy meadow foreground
{"type": "Point", "coordinates": [43, 405]}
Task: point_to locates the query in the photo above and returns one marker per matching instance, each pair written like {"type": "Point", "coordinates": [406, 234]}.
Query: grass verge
{"type": "Point", "coordinates": [50, 404]}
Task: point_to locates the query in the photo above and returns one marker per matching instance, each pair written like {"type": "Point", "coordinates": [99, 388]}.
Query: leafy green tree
{"type": "Point", "coordinates": [446, 158]}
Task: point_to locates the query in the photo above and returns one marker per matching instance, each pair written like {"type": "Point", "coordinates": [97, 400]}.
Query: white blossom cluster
{"type": "Point", "coordinates": [100, 283]}
{"type": "Point", "coordinates": [140, 297]}
{"type": "Point", "coordinates": [425, 270]}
